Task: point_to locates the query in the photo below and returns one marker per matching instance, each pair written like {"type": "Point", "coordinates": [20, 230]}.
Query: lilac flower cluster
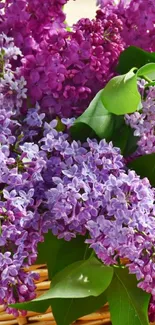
{"type": "Point", "coordinates": [143, 124]}
{"type": "Point", "coordinates": [138, 18]}
{"type": "Point", "coordinates": [87, 188]}
{"type": "Point", "coordinates": [18, 235]}
{"type": "Point", "coordinates": [69, 68]}
{"type": "Point", "coordinates": [125, 226]}
{"type": "Point", "coordinates": [63, 70]}
{"type": "Point", "coordinates": [32, 177]}
{"type": "Point", "coordinates": [90, 189]}
{"type": "Point", "coordinates": [30, 150]}
{"type": "Point", "coordinates": [12, 86]}
{"type": "Point", "coordinates": [28, 20]}
{"type": "Point", "coordinates": [21, 225]}
{"type": "Point", "coordinates": [77, 174]}
{"type": "Point", "coordinates": [49, 182]}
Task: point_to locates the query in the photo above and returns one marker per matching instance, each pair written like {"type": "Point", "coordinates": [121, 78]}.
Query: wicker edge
{"type": "Point", "coordinates": [102, 317]}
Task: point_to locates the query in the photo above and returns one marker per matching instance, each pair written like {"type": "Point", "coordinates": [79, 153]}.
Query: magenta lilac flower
{"type": "Point", "coordinates": [63, 70]}
{"type": "Point", "coordinates": [28, 20]}
{"type": "Point", "coordinates": [138, 18]}
{"type": "Point", "coordinates": [64, 81]}
{"type": "Point", "coordinates": [151, 311]}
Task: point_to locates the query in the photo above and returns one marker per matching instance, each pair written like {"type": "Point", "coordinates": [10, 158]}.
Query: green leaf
{"type": "Point", "coordinates": [131, 142]}
{"type": "Point", "coordinates": [81, 131]}
{"type": "Point", "coordinates": [120, 134]}
{"type": "Point", "coordinates": [123, 136]}
{"type": "Point", "coordinates": [151, 83]}
{"type": "Point", "coordinates": [95, 118]}
{"type": "Point", "coordinates": [145, 167]}
{"type": "Point", "coordinates": [120, 96]}
{"type": "Point", "coordinates": [128, 304]}
{"type": "Point", "coordinates": [58, 253]}
{"type": "Point", "coordinates": [148, 70]}
{"type": "Point", "coordinates": [72, 309]}
{"type": "Point", "coordinates": [79, 280]}
{"type": "Point", "coordinates": [134, 57]}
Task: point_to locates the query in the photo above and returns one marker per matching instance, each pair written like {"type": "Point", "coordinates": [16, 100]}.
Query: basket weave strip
{"type": "Point", "coordinates": [102, 317]}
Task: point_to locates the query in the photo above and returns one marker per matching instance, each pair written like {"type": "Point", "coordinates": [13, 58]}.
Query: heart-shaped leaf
{"type": "Point", "coordinates": [128, 304]}
{"type": "Point", "coordinates": [63, 253]}
{"type": "Point", "coordinates": [120, 96]}
{"type": "Point", "coordinates": [79, 280]}
{"type": "Point", "coordinates": [95, 118]}
{"type": "Point", "coordinates": [123, 136]}
{"type": "Point", "coordinates": [148, 70]}
{"type": "Point", "coordinates": [134, 57]}
{"type": "Point", "coordinates": [82, 279]}
{"type": "Point", "coordinates": [72, 309]}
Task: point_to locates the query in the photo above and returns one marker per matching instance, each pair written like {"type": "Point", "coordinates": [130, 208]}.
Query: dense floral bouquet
{"type": "Point", "coordinates": [77, 159]}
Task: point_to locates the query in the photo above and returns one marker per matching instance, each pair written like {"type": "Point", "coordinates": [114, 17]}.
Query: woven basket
{"type": "Point", "coordinates": [102, 317]}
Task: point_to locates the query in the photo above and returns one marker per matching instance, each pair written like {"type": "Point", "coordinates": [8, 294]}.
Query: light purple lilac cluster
{"type": "Point", "coordinates": [89, 189]}
{"type": "Point", "coordinates": [138, 18]}
{"type": "Point", "coordinates": [125, 226]}
{"type": "Point", "coordinates": [34, 158]}
{"type": "Point", "coordinates": [12, 86]}
{"type": "Point", "coordinates": [143, 123]}
{"type": "Point", "coordinates": [18, 235]}
{"type": "Point", "coordinates": [36, 175]}
{"type": "Point", "coordinates": [21, 225]}
{"type": "Point", "coordinates": [21, 230]}
{"type": "Point", "coordinates": [49, 182]}
{"type": "Point", "coordinates": [63, 69]}
{"type": "Point", "coordinates": [77, 174]}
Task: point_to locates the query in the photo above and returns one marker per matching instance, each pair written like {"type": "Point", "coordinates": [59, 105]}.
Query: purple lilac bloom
{"type": "Point", "coordinates": [21, 229]}
{"type": "Point", "coordinates": [63, 70]}
{"type": "Point", "coordinates": [27, 21]}
{"type": "Point", "coordinates": [138, 19]}
{"type": "Point", "coordinates": [49, 182]}
{"type": "Point", "coordinates": [143, 123]}
{"type": "Point", "coordinates": [74, 175]}
{"type": "Point", "coordinates": [89, 189]}
{"type": "Point", "coordinates": [64, 83]}
{"type": "Point", "coordinates": [20, 168]}
{"type": "Point", "coordinates": [12, 86]}
{"type": "Point", "coordinates": [33, 173]}
{"type": "Point", "coordinates": [151, 310]}
{"type": "Point", "coordinates": [125, 226]}
{"type": "Point", "coordinates": [33, 118]}
{"type": "Point", "coordinates": [52, 183]}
